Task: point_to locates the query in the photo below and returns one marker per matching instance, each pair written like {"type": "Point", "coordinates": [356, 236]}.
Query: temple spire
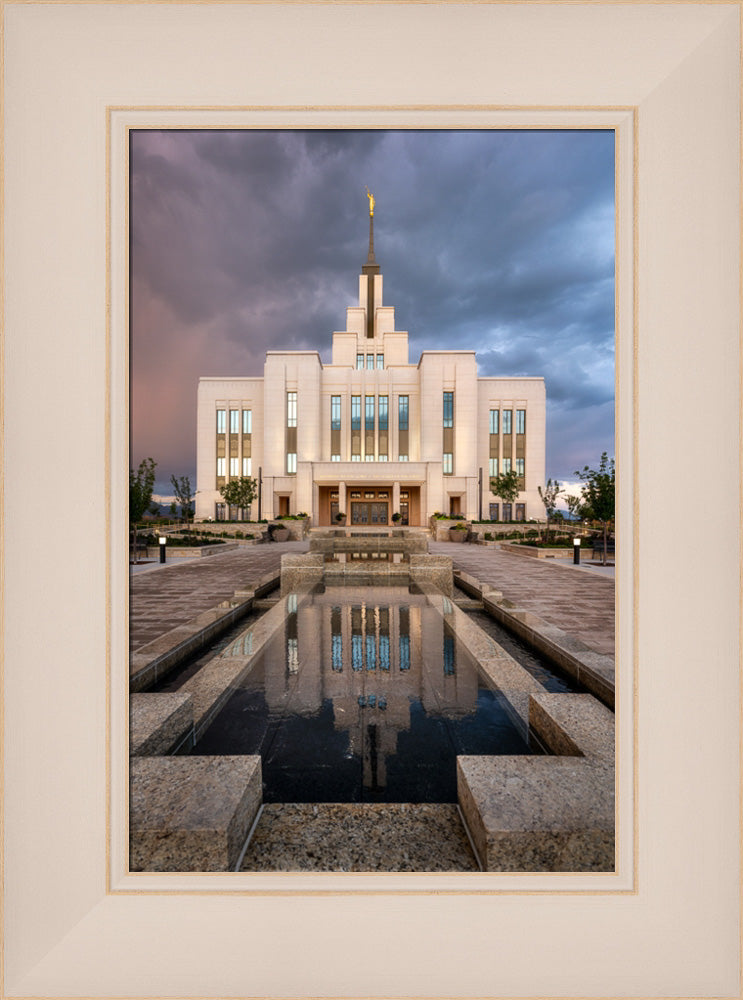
{"type": "Point", "coordinates": [371, 258]}
{"type": "Point", "coordinates": [370, 269]}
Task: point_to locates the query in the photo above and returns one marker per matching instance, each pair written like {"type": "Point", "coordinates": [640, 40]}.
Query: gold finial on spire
{"type": "Point", "coordinates": [370, 196]}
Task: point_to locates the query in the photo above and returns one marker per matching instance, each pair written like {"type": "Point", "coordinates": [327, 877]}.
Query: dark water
{"type": "Point", "coordinates": [532, 662]}
{"type": "Point", "coordinates": [363, 695]}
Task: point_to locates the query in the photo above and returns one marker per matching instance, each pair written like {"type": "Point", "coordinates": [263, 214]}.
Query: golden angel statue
{"type": "Point", "coordinates": [370, 196]}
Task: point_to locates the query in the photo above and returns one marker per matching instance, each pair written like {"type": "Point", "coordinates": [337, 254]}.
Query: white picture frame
{"type": "Point", "coordinates": [76, 924]}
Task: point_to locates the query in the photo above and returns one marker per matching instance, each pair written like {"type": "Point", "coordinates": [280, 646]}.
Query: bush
{"type": "Point", "coordinates": [489, 536]}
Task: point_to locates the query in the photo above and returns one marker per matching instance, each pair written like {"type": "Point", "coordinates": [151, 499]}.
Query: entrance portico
{"type": "Point", "coordinates": [368, 497]}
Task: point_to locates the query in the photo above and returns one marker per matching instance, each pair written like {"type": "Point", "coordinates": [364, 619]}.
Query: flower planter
{"type": "Point", "coordinates": [280, 534]}
{"type": "Point", "coordinates": [457, 535]}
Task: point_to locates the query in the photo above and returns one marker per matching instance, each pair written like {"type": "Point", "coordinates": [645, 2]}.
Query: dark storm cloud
{"type": "Point", "coordinates": [498, 241]}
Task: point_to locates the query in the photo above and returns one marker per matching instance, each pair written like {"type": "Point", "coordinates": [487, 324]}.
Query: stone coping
{"type": "Point", "coordinates": [155, 659]}
{"type": "Point", "coordinates": [192, 551]}
{"type": "Point", "coordinates": [498, 666]}
{"type": "Point", "coordinates": [390, 543]}
{"type": "Point", "coordinates": [307, 569]}
{"type": "Point", "coordinates": [594, 671]}
{"type": "Point", "coordinates": [160, 723]}
{"type": "Point", "coordinates": [553, 813]}
{"type": "Point", "coordinates": [191, 814]}
{"type": "Point", "coordinates": [535, 552]}
{"type": "Point", "coordinates": [212, 685]}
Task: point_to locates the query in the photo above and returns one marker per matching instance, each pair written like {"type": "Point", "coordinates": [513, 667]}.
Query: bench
{"type": "Point", "coordinates": [141, 548]}
{"type": "Point", "coordinates": [598, 547]}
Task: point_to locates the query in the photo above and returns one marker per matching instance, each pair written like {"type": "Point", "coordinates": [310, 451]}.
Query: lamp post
{"type": "Point", "coordinates": [576, 551]}
{"type": "Point", "coordinates": [163, 542]}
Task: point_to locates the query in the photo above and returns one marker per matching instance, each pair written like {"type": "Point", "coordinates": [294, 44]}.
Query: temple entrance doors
{"type": "Point", "coordinates": [369, 513]}
{"type": "Point", "coordinates": [369, 505]}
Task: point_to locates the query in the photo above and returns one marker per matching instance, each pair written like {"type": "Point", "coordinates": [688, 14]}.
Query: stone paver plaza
{"type": "Point", "coordinates": [581, 603]}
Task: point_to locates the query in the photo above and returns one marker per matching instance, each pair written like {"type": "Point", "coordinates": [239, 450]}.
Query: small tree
{"type": "Point", "coordinates": [598, 494]}
{"type": "Point", "coordinates": [240, 492]}
{"type": "Point", "coordinates": [183, 494]}
{"type": "Point", "coordinates": [141, 484]}
{"type": "Point", "coordinates": [575, 506]}
{"type": "Point", "coordinates": [549, 496]}
{"type": "Point", "coordinates": [505, 486]}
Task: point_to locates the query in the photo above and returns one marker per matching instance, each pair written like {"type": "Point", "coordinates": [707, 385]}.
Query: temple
{"type": "Point", "coordinates": [370, 434]}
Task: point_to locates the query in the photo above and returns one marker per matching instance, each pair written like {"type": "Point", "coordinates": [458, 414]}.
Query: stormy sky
{"type": "Point", "coordinates": [497, 241]}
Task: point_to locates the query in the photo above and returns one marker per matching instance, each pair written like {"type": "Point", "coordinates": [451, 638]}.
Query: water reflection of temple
{"type": "Point", "coordinates": [372, 658]}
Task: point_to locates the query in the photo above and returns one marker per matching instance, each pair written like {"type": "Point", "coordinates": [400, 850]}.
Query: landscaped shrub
{"type": "Point", "coordinates": [489, 536]}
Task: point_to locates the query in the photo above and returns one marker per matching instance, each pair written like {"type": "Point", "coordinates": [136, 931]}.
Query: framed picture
{"type": "Point", "coordinates": [76, 77]}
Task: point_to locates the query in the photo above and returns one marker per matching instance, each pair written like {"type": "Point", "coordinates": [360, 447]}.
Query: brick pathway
{"type": "Point", "coordinates": [581, 603]}
{"type": "Point", "coordinates": [164, 597]}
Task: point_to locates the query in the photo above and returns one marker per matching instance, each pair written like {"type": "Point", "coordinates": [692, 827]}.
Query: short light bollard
{"type": "Point", "coordinates": [576, 551]}
{"type": "Point", "coordinates": [163, 541]}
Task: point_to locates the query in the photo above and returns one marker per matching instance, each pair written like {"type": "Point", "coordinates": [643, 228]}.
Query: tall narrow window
{"type": "Point", "coordinates": [493, 467]}
{"type": "Point", "coordinates": [234, 421]}
{"type": "Point", "coordinates": [221, 447]}
{"type": "Point", "coordinates": [291, 433]}
{"type": "Point", "coordinates": [355, 428]}
{"type": "Point", "coordinates": [404, 637]}
{"type": "Point", "coordinates": [494, 421]}
{"type": "Point", "coordinates": [402, 426]}
{"type": "Point", "coordinates": [357, 639]}
{"type": "Point", "coordinates": [234, 468]}
{"type": "Point", "coordinates": [247, 441]}
{"type": "Point", "coordinates": [359, 361]}
{"type": "Point", "coordinates": [403, 413]}
{"type": "Point", "coordinates": [507, 421]}
{"type": "Point", "coordinates": [291, 409]}
{"type": "Point", "coordinates": [506, 465]}
{"type": "Point", "coordinates": [380, 361]}
{"type": "Point", "coordinates": [448, 409]}
{"type": "Point", "coordinates": [370, 361]}
{"type": "Point", "coordinates": [369, 429]}
{"type": "Point", "coordinates": [336, 640]}
{"type": "Point", "coordinates": [384, 639]}
{"type": "Point", "coordinates": [335, 428]}
{"type": "Point", "coordinates": [450, 655]}
{"type": "Point", "coordinates": [383, 419]}
{"type": "Point", "coordinates": [519, 466]}
{"type": "Point", "coordinates": [520, 421]}
{"type": "Point", "coordinates": [448, 434]}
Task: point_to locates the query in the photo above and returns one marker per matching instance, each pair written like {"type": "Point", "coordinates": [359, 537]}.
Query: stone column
{"type": "Point", "coordinates": [395, 498]}
{"type": "Point", "coordinates": [342, 501]}
{"type": "Point", "coordinates": [314, 517]}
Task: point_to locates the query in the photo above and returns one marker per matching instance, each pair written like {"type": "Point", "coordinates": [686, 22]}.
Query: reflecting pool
{"type": "Point", "coordinates": [362, 694]}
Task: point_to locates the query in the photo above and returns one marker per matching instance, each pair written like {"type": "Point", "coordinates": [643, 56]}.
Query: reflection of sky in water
{"type": "Point", "coordinates": [370, 700]}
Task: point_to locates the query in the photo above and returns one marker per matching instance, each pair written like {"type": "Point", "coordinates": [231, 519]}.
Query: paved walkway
{"type": "Point", "coordinates": [162, 597]}
{"type": "Point", "coordinates": [576, 599]}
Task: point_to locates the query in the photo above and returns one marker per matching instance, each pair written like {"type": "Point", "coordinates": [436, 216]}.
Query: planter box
{"type": "Point", "coordinates": [536, 553]}
{"type": "Point", "coordinates": [455, 535]}
{"type": "Point", "coordinates": [191, 551]}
